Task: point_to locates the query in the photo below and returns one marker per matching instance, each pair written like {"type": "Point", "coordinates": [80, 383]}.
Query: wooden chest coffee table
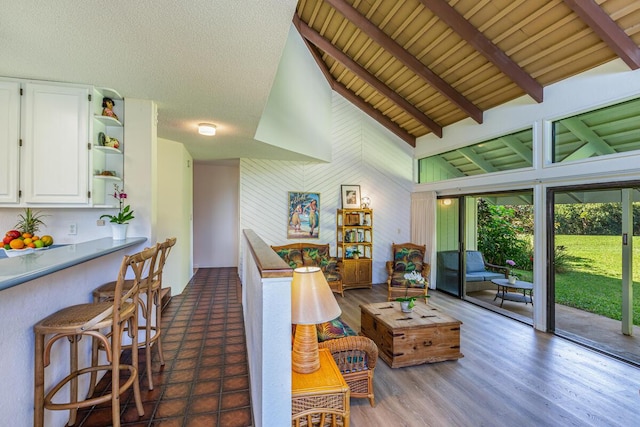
{"type": "Point", "coordinates": [425, 335]}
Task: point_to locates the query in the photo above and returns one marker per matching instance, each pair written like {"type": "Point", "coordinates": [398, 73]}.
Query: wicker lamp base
{"type": "Point", "coordinates": [304, 357]}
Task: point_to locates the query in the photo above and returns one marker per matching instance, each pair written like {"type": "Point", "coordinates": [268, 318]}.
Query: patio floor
{"type": "Point", "coordinates": [599, 332]}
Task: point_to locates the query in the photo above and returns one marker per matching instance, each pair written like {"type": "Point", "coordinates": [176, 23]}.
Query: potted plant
{"type": "Point", "coordinates": [356, 254]}
{"type": "Point", "coordinates": [408, 302]}
{"type": "Point", "coordinates": [511, 278]}
{"type": "Point", "coordinates": [120, 222]}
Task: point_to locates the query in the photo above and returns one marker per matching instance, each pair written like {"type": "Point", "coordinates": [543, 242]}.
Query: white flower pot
{"type": "Point", "coordinates": [404, 306]}
{"type": "Point", "coordinates": [119, 231]}
{"type": "Point", "coordinates": [512, 280]}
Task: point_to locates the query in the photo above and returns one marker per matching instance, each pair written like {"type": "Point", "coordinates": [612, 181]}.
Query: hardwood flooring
{"type": "Point", "coordinates": [510, 375]}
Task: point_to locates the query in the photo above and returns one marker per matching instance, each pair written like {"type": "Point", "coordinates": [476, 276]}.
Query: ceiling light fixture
{"type": "Point", "coordinates": [207, 129]}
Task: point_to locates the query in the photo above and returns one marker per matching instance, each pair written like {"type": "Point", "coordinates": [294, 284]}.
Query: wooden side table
{"type": "Point", "coordinates": [323, 395]}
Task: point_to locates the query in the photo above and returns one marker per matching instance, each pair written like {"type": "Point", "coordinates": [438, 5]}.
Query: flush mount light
{"type": "Point", "coordinates": [207, 129]}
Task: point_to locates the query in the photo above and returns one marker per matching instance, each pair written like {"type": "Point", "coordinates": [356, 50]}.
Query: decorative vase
{"type": "Point", "coordinates": [512, 280]}
{"type": "Point", "coordinates": [404, 306]}
{"type": "Point", "coordinates": [119, 231]}
{"type": "Point", "coordinates": [356, 256]}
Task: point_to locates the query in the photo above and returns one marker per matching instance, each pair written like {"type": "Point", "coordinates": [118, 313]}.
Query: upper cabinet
{"type": "Point", "coordinates": [61, 144]}
{"type": "Point", "coordinates": [107, 146]}
{"type": "Point", "coordinates": [55, 134]}
{"type": "Point", "coordinates": [9, 141]}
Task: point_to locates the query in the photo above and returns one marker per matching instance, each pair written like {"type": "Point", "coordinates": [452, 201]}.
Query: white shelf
{"type": "Point", "coordinates": [110, 178]}
{"type": "Point", "coordinates": [107, 150]}
{"type": "Point", "coordinates": [107, 120]}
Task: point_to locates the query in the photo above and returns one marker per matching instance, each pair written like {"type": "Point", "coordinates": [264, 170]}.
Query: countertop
{"type": "Point", "coordinates": [17, 270]}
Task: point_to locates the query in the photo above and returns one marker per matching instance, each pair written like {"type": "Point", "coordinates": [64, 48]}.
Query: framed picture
{"type": "Point", "coordinates": [350, 196]}
{"type": "Point", "coordinates": [303, 221]}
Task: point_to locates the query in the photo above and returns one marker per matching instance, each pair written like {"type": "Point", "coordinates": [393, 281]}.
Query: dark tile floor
{"type": "Point", "coordinates": [205, 380]}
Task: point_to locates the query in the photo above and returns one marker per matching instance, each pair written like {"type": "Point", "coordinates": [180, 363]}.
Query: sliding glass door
{"type": "Point", "coordinates": [595, 265]}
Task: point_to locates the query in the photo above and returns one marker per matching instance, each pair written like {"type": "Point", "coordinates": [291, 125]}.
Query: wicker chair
{"type": "Point", "coordinates": [407, 257]}
{"type": "Point", "coordinates": [356, 358]}
{"type": "Point", "coordinates": [324, 417]}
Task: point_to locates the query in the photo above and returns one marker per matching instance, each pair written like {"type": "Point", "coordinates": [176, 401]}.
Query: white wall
{"type": "Point", "coordinates": [216, 218]}
{"type": "Point", "coordinates": [297, 115]}
{"type": "Point", "coordinates": [364, 153]}
{"type": "Point", "coordinates": [175, 211]}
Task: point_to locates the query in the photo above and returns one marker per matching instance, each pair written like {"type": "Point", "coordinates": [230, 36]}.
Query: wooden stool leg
{"type": "Point", "coordinates": [95, 350]}
{"type": "Point", "coordinates": [158, 301]}
{"type": "Point", "coordinates": [73, 385]}
{"type": "Point", "coordinates": [38, 389]}
{"type": "Point", "coordinates": [134, 356]}
{"type": "Point", "coordinates": [147, 336]}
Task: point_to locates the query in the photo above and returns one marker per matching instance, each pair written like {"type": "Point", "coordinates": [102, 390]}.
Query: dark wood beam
{"type": "Point", "coordinates": [359, 102]}
{"type": "Point", "coordinates": [607, 29]}
{"type": "Point", "coordinates": [314, 37]}
{"type": "Point", "coordinates": [410, 61]}
{"type": "Point", "coordinates": [475, 38]}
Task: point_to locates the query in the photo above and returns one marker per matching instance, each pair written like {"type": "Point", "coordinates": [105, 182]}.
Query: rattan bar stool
{"type": "Point", "coordinates": [93, 320]}
{"type": "Point", "coordinates": [152, 289]}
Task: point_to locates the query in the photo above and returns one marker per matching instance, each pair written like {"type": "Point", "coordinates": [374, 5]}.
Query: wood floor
{"type": "Point", "coordinates": [510, 375]}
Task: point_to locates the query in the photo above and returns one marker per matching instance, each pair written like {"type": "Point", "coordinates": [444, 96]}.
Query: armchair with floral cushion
{"type": "Point", "coordinates": [355, 355]}
{"type": "Point", "coordinates": [407, 257]}
{"type": "Point", "coordinates": [306, 255]}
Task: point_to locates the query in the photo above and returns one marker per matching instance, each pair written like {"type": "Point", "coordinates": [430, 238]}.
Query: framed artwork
{"type": "Point", "coordinates": [304, 216]}
{"type": "Point", "coordinates": [350, 196]}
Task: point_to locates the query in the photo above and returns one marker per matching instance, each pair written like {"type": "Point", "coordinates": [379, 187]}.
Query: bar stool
{"type": "Point", "coordinates": [92, 320]}
{"type": "Point", "coordinates": [152, 289]}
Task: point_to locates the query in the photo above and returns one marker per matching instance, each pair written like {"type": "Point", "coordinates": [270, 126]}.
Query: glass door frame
{"type": "Point", "coordinates": [550, 250]}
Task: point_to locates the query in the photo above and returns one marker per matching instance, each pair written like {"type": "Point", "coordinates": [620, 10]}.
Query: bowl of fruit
{"type": "Point", "coordinates": [24, 238]}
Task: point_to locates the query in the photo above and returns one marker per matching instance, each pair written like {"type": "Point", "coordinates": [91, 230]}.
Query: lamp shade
{"type": "Point", "coordinates": [312, 300]}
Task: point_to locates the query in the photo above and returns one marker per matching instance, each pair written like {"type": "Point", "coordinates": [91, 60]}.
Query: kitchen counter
{"type": "Point", "coordinates": [21, 269]}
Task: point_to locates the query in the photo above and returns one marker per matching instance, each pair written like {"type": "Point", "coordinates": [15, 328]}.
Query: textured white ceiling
{"type": "Point", "coordinates": [199, 60]}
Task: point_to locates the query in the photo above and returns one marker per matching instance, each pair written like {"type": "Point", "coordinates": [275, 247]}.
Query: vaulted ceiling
{"type": "Point", "coordinates": [417, 66]}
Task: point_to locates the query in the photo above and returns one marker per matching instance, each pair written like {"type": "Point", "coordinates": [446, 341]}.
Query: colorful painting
{"type": "Point", "coordinates": [304, 216]}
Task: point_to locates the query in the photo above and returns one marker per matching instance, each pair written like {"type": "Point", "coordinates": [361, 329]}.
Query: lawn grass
{"type": "Point", "coordinates": [592, 278]}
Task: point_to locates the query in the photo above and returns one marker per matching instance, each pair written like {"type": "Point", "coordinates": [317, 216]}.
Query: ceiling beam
{"type": "Point", "coordinates": [311, 35]}
{"type": "Point", "coordinates": [495, 55]}
{"type": "Point", "coordinates": [410, 61]}
{"type": "Point", "coordinates": [357, 101]}
{"type": "Point", "coordinates": [607, 29]}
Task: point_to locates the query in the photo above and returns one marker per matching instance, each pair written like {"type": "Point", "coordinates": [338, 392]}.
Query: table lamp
{"type": "Point", "coordinates": [312, 302]}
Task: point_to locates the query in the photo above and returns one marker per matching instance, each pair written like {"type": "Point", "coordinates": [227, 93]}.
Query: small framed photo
{"type": "Point", "coordinates": [350, 196]}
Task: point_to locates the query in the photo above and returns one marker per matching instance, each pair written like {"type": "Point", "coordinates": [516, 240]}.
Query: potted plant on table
{"type": "Point", "coordinates": [511, 278]}
{"type": "Point", "coordinates": [408, 302]}
{"type": "Point", "coordinates": [120, 222]}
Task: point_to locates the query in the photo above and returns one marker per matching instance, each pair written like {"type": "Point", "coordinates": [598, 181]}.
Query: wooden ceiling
{"type": "Point", "coordinates": [417, 66]}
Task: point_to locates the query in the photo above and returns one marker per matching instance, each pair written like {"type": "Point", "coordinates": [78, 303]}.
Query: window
{"type": "Point", "coordinates": [609, 130]}
{"type": "Point", "coordinates": [507, 152]}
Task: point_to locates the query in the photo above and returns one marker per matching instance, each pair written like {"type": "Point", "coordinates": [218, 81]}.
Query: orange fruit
{"type": "Point", "coordinates": [34, 238]}
{"type": "Point", "coordinates": [16, 244]}
{"type": "Point", "coordinates": [31, 245]}
{"type": "Point", "coordinates": [26, 235]}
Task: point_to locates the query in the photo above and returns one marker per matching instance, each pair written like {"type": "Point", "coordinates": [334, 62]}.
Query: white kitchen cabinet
{"type": "Point", "coordinates": [55, 151]}
{"type": "Point", "coordinates": [107, 162]}
{"type": "Point", "coordinates": [9, 141]}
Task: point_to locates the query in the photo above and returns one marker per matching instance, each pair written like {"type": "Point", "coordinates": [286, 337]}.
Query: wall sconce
{"type": "Point", "coordinates": [207, 129]}
{"type": "Point", "coordinates": [446, 202]}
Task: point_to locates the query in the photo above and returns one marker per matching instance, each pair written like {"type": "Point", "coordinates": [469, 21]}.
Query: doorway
{"type": "Point", "coordinates": [595, 267]}
{"type": "Point", "coordinates": [482, 235]}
